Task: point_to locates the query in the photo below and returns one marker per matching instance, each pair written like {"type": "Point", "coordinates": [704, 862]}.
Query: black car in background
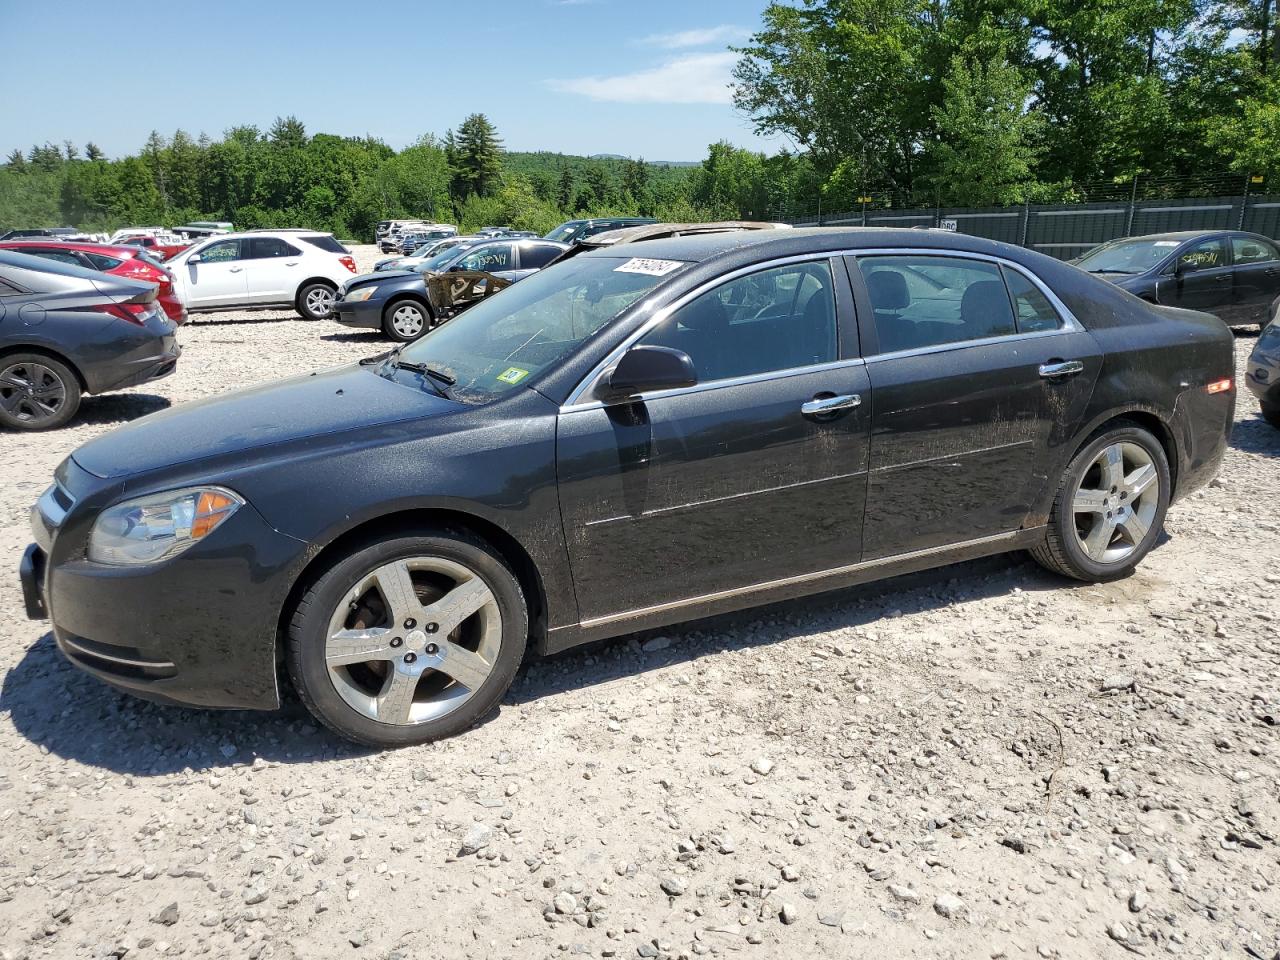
{"type": "Point", "coordinates": [66, 331]}
{"type": "Point", "coordinates": [1262, 372]}
{"type": "Point", "coordinates": [638, 436]}
{"type": "Point", "coordinates": [571, 231]}
{"type": "Point", "coordinates": [1229, 273]}
{"type": "Point", "coordinates": [397, 301]}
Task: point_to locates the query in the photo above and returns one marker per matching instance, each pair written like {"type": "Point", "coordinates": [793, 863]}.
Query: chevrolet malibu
{"type": "Point", "coordinates": [634, 437]}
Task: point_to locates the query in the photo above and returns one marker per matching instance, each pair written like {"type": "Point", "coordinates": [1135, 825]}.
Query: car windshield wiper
{"type": "Point", "coordinates": [438, 379]}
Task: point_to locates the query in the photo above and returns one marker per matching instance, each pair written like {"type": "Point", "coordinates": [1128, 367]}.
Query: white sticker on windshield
{"type": "Point", "coordinates": [1166, 243]}
{"type": "Point", "coordinates": [653, 268]}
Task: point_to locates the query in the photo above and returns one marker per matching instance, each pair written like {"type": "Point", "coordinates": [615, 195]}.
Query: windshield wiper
{"type": "Point", "coordinates": [438, 379]}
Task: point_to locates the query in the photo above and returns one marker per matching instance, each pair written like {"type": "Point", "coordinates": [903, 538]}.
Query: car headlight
{"type": "Point", "coordinates": [159, 526]}
{"type": "Point", "coordinates": [364, 293]}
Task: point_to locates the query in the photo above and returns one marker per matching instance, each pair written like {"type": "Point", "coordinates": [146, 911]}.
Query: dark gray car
{"type": "Point", "coordinates": [397, 302]}
{"type": "Point", "coordinates": [66, 331]}
{"type": "Point", "coordinates": [1262, 372]}
{"type": "Point", "coordinates": [1229, 273]}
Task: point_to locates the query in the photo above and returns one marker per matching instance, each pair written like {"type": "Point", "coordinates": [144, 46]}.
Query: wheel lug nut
{"type": "Point", "coordinates": [410, 623]}
{"type": "Point", "coordinates": [396, 641]}
{"type": "Point", "coordinates": [432, 648]}
{"type": "Point", "coordinates": [432, 627]}
{"type": "Point", "coordinates": [410, 657]}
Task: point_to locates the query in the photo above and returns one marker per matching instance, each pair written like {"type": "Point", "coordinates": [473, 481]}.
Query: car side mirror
{"type": "Point", "coordinates": [194, 258]}
{"type": "Point", "coordinates": [647, 368]}
{"type": "Point", "coordinates": [1184, 266]}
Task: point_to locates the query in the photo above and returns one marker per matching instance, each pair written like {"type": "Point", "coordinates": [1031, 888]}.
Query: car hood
{"type": "Point", "coordinates": [380, 276]}
{"type": "Point", "coordinates": [335, 401]}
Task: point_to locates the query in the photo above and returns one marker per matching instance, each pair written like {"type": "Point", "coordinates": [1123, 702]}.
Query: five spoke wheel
{"type": "Point", "coordinates": [1116, 502]}
{"type": "Point", "coordinates": [413, 640]}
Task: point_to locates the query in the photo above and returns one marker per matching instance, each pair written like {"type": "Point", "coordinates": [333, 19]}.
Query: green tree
{"type": "Point", "coordinates": [288, 132]}
{"type": "Point", "coordinates": [16, 161]}
{"type": "Point", "coordinates": [478, 156]}
{"type": "Point", "coordinates": [183, 166]}
{"type": "Point", "coordinates": [93, 152]}
{"type": "Point", "coordinates": [985, 149]}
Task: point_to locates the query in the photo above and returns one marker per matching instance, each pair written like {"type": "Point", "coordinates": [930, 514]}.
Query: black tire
{"type": "Point", "coordinates": [49, 380]}
{"type": "Point", "coordinates": [315, 300]}
{"type": "Point", "coordinates": [396, 316]}
{"type": "Point", "coordinates": [308, 635]}
{"type": "Point", "coordinates": [1062, 550]}
{"type": "Point", "coordinates": [1271, 414]}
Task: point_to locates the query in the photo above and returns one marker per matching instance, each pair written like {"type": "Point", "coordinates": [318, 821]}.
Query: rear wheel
{"type": "Point", "coordinates": [405, 320]}
{"type": "Point", "coordinates": [409, 639]}
{"type": "Point", "coordinates": [315, 301]}
{"type": "Point", "coordinates": [36, 392]}
{"type": "Point", "coordinates": [1110, 506]}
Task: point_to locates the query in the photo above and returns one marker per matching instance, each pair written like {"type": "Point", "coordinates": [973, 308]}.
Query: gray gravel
{"type": "Point", "coordinates": [983, 761]}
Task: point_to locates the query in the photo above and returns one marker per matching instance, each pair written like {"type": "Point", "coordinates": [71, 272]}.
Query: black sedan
{"type": "Point", "coordinates": [1229, 273]}
{"type": "Point", "coordinates": [638, 436]}
{"type": "Point", "coordinates": [397, 301]}
{"type": "Point", "coordinates": [1262, 373]}
{"type": "Point", "coordinates": [66, 331]}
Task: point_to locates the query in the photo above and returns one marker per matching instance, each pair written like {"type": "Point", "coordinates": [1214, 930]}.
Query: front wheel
{"type": "Point", "coordinates": [409, 639]}
{"type": "Point", "coordinates": [405, 320]}
{"type": "Point", "coordinates": [1110, 506]}
{"type": "Point", "coordinates": [315, 301]}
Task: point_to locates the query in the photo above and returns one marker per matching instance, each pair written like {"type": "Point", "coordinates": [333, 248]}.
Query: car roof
{"type": "Point", "coordinates": [112, 249]}
{"type": "Point", "coordinates": [1183, 235]}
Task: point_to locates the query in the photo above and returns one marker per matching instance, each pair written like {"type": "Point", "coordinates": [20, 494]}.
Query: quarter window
{"type": "Point", "coordinates": [1247, 250]}
{"type": "Point", "coordinates": [777, 319]}
{"type": "Point", "coordinates": [104, 263]}
{"type": "Point", "coordinates": [266, 248]}
{"type": "Point", "coordinates": [1032, 309]}
{"type": "Point", "coordinates": [925, 301]}
{"type": "Point", "coordinates": [221, 252]}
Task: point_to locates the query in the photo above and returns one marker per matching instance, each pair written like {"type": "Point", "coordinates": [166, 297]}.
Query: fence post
{"type": "Point", "coordinates": [1026, 220]}
{"type": "Point", "coordinates": [819, 206]}
{"type": "Point", "coordinates": [1244, 202]}
{"type": "Point", "coordinates": [1133, 204]}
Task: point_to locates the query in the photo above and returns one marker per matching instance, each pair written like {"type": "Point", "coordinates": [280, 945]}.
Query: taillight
{"type": "Point", "coordinates": [137, 313]}
{"type": "Point", "coordinates": [348, 262]}
{"type": "Point", "coordinates": [1219, 386]}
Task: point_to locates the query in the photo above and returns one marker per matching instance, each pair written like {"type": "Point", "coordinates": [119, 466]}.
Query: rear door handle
{"type": "Point", "coordinates": [291, 263]}
{"type": "Point", "coordinates": [1061, 369]}
{"type": "Point", "coordinates": [823, 406]}
{"type": "Point", "coordinates": [236, 269]}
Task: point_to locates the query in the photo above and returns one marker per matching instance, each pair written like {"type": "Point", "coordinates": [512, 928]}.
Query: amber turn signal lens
{"type": "Point", "coordinates": [211, 508]}
{"type": "Point", "coordinates": [1219, 386]}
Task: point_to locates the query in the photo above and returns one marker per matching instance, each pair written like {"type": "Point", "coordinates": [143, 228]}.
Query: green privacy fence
{"type": "Point", "coordinates": [1067, 230]}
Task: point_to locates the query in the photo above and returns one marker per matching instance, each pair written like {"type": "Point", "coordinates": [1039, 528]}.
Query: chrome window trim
{"type": "Point", "coordinates": [1069, 323]}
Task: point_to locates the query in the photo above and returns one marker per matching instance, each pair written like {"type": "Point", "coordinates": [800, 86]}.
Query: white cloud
{"type": "Point", "coordinates": [707, 36]}
{"type": "Point", "coordinates": [696, 78]}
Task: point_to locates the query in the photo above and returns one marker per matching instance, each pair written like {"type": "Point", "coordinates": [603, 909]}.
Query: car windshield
{"type": "Point", "coordinates": [505, 340]}
{"type": "Point", "coordinates": [1126, 256]}
{"type": "Point", "coordinates": [563, 232]}
{"type": "Point", "coordinates": [432, 247]}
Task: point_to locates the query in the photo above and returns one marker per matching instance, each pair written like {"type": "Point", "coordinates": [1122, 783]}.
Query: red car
{"type": "Point", "coordinates": [154, 246]}
{"type": "Point", "coordinates": [117, 259]}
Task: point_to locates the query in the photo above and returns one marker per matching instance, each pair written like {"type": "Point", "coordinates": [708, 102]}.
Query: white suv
{"type": "Point", "coordinates": [262, 269]}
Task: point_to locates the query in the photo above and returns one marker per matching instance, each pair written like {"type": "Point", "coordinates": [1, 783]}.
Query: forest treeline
{"type": "Point", "coordinates": [947, 102]}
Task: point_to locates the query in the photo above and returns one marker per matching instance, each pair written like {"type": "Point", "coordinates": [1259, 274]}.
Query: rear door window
{"type": "Point", "coordinates": [62, 256]}
{"type": "Point", "coordinates": [266, 248]}
{"type": "Point", "coordinates": [1247, 250]}
{"type": "Point", "coordinates": [927, 301]}
{"type": "Point", "coordinates": [535, 256]}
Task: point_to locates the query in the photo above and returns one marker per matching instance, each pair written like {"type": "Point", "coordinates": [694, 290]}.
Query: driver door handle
{"type": "Point", "coordinates": [236, 269]}
{"type": "Point", "coordinates": [1060, 369]}
{"type": "Point", "coordinates": [819, 406]}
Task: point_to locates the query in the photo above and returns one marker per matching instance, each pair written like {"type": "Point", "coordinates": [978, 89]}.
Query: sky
{"type": "Point", "coordinates": [642, 79]}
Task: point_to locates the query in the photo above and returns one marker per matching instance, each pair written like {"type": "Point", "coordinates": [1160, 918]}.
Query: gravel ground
{"type": "Point", "coordinates": [981, 761]}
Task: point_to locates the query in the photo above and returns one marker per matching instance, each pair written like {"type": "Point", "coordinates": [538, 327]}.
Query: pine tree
{"type": "Point", "coordinates": [566, 192]}
{"type": "Point", "coordinates": [153, 155]}
{"type": "Point", "coordinates": [94, 152]}
{"type": "Point", "coordinates": [479, 156]}
{"type": "Point", "coordinates": [70, 150]}
{"type": "Point", "coordinates": [288, 132]}
{"type": "Point", "coordinates": [16, 160]}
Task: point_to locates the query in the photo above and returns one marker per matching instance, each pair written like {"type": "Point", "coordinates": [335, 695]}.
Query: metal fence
{"type": "Point", "coordinates": [1068, 230]}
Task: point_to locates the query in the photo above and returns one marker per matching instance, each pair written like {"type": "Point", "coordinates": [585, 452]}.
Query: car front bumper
{"type": "Point", "coordinates": [359, 313]}
{"type": "Point", "coordinates": [1262, 377]}
{"type": "Point", "coordinates": [197, 630]}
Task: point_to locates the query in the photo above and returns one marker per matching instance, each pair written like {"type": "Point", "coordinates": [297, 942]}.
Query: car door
{"type": "Point", "coordinates": [742, 479]}
{"type": "Point", "coordinates": [272, 270]}
{"type": "Point", "coordinates": [217, 278]}
{"type": "Point", "coordinates": [1256, 262]}
{"type": "Point", "coordinates": [1201, 278]}
{"type": "Point", "coordinates": [978, 375]}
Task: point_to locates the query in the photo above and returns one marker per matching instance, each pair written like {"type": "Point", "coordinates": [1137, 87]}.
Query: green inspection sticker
{"type": "Point", "coordinates": [512, 375]}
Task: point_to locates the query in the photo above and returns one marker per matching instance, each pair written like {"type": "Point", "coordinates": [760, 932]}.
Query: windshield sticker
{"type": "Point", "coordinates": [1166, 243]}
{"type": "Point", "coordinates": [652, 268]}
{"type": "Point", "coordinates": [513, 375]}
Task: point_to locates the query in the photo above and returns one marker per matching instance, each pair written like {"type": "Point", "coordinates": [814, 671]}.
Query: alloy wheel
{"type": "Point", "coordinates": [413, 640]}
{"type": "Point", "coordinates": [320, 302]}
{"type": "Point", "coordinates": [1115, 502]}
{"type": "Point", "coordinates": [407, 320]}
{"type": "Point", "coordinates": [31, 392]}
